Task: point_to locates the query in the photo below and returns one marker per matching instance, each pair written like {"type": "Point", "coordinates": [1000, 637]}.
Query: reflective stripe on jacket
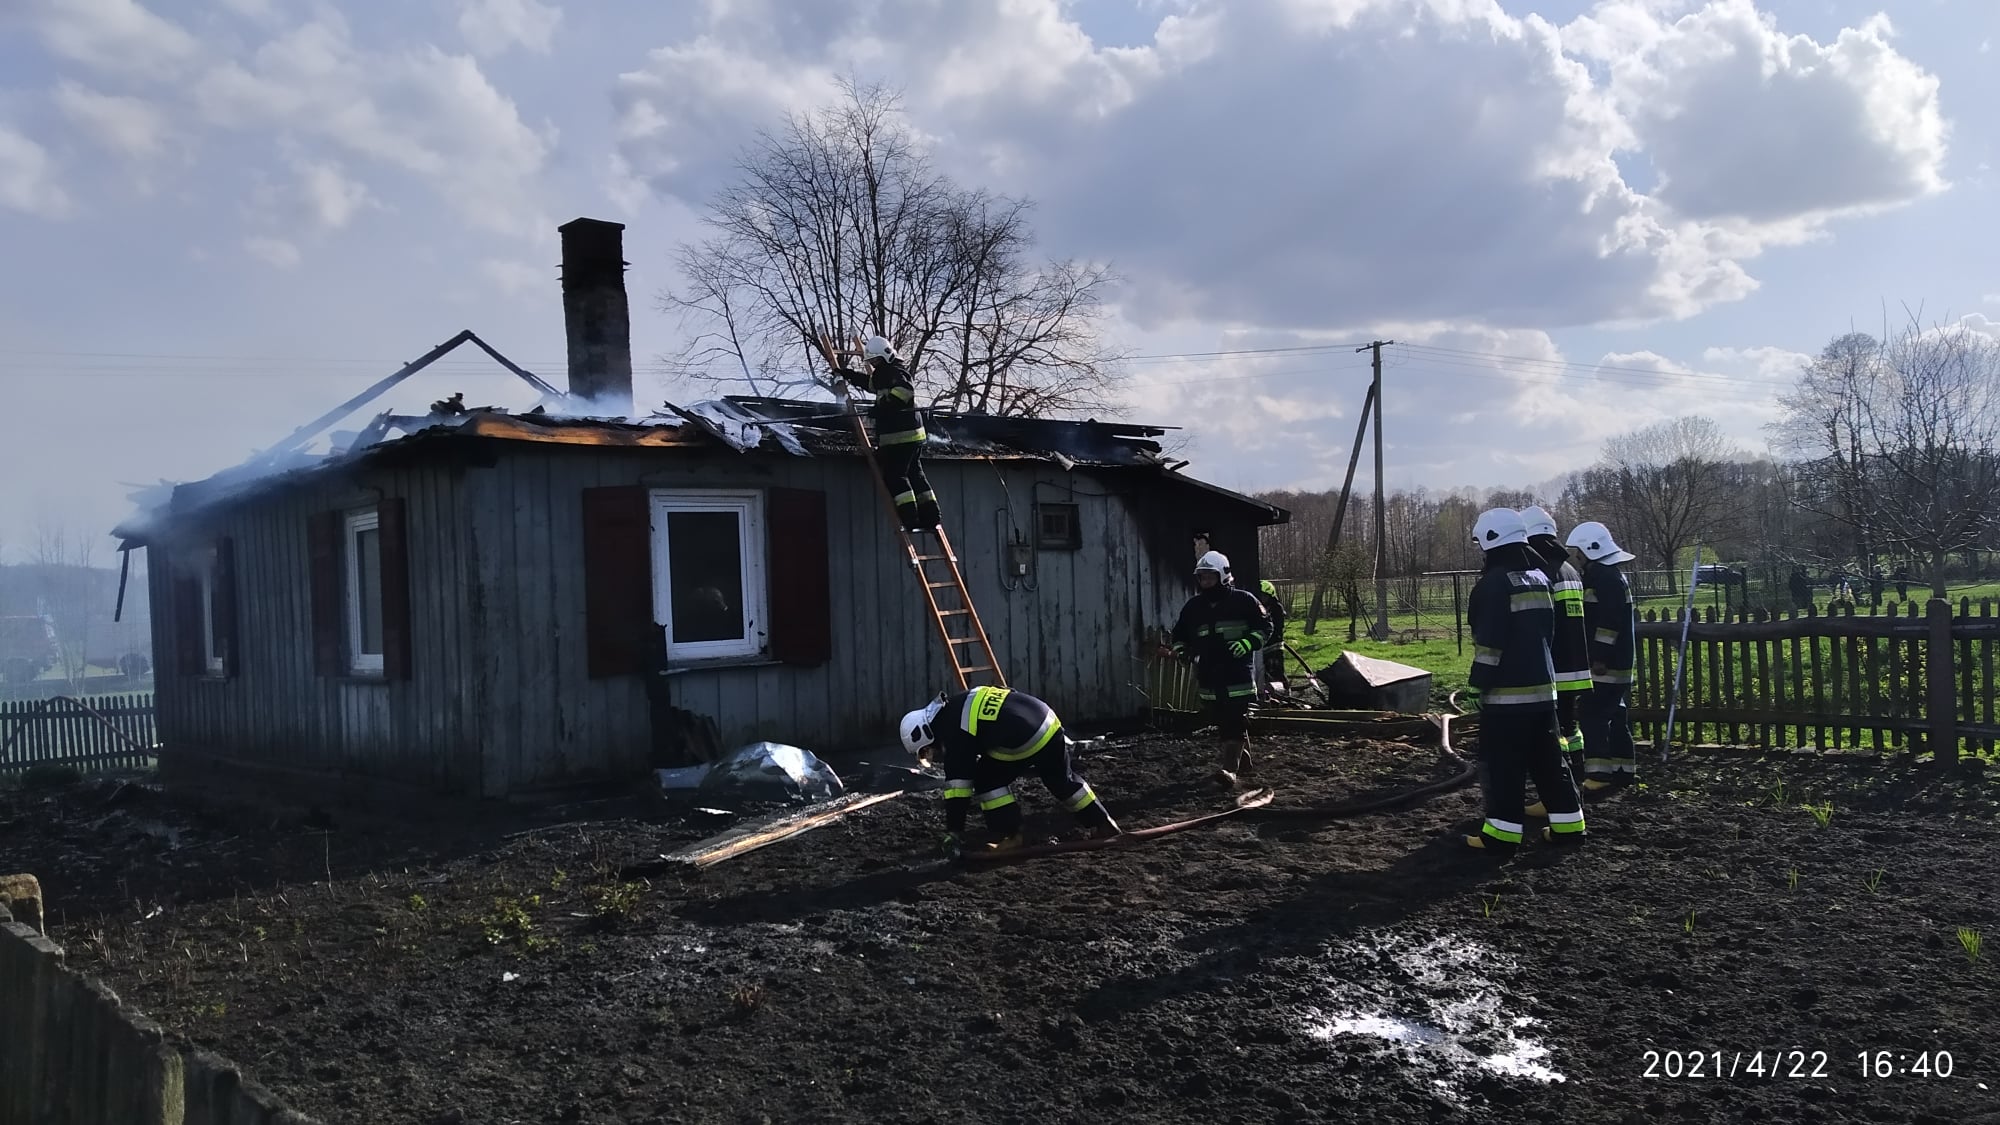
{"type": "Point", "coordinates": [1512, 615]}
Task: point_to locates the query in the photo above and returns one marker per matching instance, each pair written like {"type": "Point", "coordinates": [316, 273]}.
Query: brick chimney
{"type": "Point", "coordinates": [596, 316]}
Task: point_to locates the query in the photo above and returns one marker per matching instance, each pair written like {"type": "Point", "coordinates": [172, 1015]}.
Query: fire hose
{"type": "Point", "coordinates": [1257, 806]}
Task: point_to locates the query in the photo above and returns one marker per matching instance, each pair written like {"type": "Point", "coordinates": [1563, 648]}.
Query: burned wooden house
{"type": "Point", "coordinates": [500, 605]}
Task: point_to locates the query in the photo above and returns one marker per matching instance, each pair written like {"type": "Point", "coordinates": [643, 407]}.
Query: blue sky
{"type": "Point", "coordinates": [220, 217]}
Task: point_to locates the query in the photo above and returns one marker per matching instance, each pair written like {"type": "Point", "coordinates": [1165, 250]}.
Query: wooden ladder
{"type": "Point", "coordinates": [964, 662]}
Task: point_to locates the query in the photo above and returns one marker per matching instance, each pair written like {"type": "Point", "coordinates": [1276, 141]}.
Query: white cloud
{"type": "Point", "coordinates": [330, 196]}
{"type": "Point", "coordinates": [1769, 362]}
{"type": "Point", "coordinates": [133, 127]}
{"type": "Point", "coordinates": [117, 37]}
{"type": "Point", "coordinates": [1981, 323]}
{"type": "Point", "coordinates": [421, 110]}
{"type": "Point", "coordinates": [1743, 122]}
{"type": "Point", "coordinates": [517, 278]}
{"type": "Point", "coordinates": [28, 177]}
{"type": "Point", "coordinates": [275, 251]}
{"type": "Point", "coordinates": [492, 26]}
{"type": "Point", "coordinates": [1281, 162]}
{"type": "Point", "coordinates": [259, 10]}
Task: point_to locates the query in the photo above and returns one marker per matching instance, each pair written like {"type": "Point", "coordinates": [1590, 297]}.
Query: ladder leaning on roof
{"type": "Point", "coordinates": [957, 648]}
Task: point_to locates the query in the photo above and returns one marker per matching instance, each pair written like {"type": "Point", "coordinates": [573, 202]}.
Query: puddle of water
{"type": "Point", "coordinates": [1453, 1021]}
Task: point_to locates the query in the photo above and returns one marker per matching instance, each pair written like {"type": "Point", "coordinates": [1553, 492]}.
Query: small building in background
{"type": "Point", "coordinates": [510, 605]}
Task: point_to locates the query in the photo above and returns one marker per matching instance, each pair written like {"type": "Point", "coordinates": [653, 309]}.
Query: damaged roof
{"type": "Point", "coordinates": [781, 427]}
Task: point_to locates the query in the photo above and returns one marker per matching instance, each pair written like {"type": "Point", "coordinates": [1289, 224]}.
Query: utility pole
{"type": "Point", "coordinates": [1381, 629]}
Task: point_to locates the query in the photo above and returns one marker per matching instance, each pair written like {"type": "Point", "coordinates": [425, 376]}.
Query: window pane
{"type": "Point", "coordinates": [368, 556]}
{"type": "Point", "coordinates": [705, 567]}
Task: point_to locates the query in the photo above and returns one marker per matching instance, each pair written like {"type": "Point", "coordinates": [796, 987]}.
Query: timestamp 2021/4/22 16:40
{"type": "Point", "coordinates": [1798, 1062]}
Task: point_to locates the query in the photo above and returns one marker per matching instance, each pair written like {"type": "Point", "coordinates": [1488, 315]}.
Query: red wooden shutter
{"type": "Point", "coordinates": [224, 607]}
{"type": "Point", "coordinates": [329, 627]}
{"type": "Point", "coordinates": [392, 519]}
{"type": "Point", "coordinates": [801, 597]}
{"type": "Point", "coordinates": [617, 579]}
{"type": "Point", "coordinates": [186, 579]}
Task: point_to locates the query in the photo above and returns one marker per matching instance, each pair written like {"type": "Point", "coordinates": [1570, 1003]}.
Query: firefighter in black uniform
{"type": "Point", "coordinates": [989, 737]}
{"type": "Point", "coordinates": [1513, 686]}
{"type": "Point", "coordinates": [899, 432]}
{"type": "Point", "coordinates": [1570, 648]}
{"type": "Point", "coordinates": [1609, 760]}
{"type": "Point", "coordinates": [1274, 644]}
{"type": "Point", "coordinates": [1221, 630]}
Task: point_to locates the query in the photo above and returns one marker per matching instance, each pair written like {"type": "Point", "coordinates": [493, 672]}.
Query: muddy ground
{"type": "Point", "coordinates": [1356, 971]}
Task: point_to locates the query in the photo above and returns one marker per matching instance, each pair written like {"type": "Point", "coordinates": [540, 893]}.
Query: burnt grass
{"type": "Point", "coordinates": [487, 973]}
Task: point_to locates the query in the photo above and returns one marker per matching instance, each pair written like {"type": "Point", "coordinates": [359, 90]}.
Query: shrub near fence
{"type": "Point", "coordinates": [106, 731]}
{"type": "Point", "coordinates": [1895, 681]}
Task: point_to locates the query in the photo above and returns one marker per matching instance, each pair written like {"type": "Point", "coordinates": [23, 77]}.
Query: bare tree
{"type": "Point", "coordinates": [1900, 441]}
{"type": "Point", "coordinates": [63, 589]}
{"type": "Point", "coordinates": [1826, 423]}
{"type": "Point", "coordinates": [839, 224]}
{"type": "Point", "coordinates": [1661, 487]}
{"type": "Point", "coordinates": [1934, 435]}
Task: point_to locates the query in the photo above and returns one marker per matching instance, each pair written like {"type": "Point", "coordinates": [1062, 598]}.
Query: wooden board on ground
{"type": "Point", "coordinates": [749, 837]}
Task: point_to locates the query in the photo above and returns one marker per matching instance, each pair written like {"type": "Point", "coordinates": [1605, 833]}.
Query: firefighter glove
{"type": "Point", "coordinates": [1243, 646]}
{"type": "Point", "coordinates": [1471, 699]}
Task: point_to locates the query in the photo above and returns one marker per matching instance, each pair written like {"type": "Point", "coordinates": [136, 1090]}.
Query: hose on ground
{"type": "Point", "coordinates": [1264, 812]}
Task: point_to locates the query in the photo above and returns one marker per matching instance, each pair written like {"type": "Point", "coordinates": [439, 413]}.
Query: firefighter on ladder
{"type": "Point", "coordinates": [899, 432]}
{"type": "Point", "coordinates": [988, 738]}
{"type": "Point", "coordinates": [1221, 630]}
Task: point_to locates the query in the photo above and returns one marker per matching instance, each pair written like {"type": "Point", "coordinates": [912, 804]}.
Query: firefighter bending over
{"type": "Point", "coordinates": [899, 432]}
{"type": "Point", "coordinates": [989, 738]}
{"type": "Point", "coordinates": [1221, 630]}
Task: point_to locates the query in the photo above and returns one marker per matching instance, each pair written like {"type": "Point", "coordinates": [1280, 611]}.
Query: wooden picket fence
{"type": "Point", "coordinates": [103, 731]}
{"type": "Point", "coordinates": [1899, 681]}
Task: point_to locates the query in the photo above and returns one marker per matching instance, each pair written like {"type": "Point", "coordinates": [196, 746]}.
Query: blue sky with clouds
{"type": "Point", "coordinates": [220, 217]}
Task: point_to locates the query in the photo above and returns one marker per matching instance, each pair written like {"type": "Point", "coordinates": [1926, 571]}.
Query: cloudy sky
{"type": "Point", "coordinates": [218, 218]}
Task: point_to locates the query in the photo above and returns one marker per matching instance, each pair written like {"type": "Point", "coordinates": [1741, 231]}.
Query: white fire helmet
{"type": "Point", "coordinates": [1539, 521]}
{"type": "Point", "coordinates": [1215, 561]}
{"type": "Point", "coordinates": [1594, 540]}
{"type": "Point", "coordinates": [878, 347]}
{"type": "Point", "coordinates": [1497, 527]}
{"type": "Point", "coordinates": [919, 730]}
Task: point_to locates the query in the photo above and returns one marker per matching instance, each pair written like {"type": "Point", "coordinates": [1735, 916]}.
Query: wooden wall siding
{"type": "Point", "coordinates": [546, 722]}
{"type": "Point", "coordinates": [276, 711]}
{"type": "Point", "coordinates": [500, 702]}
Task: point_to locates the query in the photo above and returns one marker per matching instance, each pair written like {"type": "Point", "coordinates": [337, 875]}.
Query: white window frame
{"type": "Point", "coordinates": [353, 524]}
{"type": "Point", "coordinates": [748, 505]}
{"type": "Point", "coordinates": [211, 655]}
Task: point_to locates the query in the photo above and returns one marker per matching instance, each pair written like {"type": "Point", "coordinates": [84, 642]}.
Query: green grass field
{"type": "Point", "coordinates": [1428, 640]}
